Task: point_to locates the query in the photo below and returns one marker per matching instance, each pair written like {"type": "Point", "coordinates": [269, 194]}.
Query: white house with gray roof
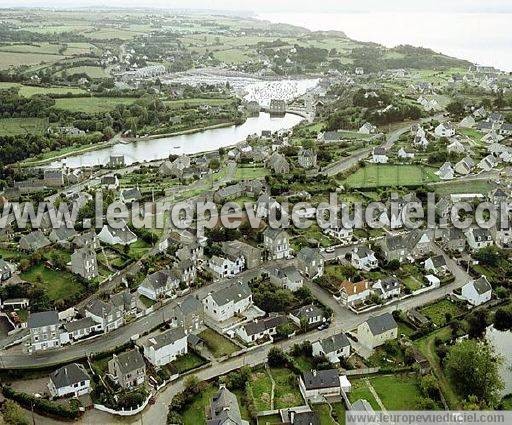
{"type": "Point", "coordinates": [44, 331]}
{"type": "Point", "coordinates": [387, 288]}
{"type": "Point", "coordinates": [5, 270]}
{"type": "Point", "coordinates": [436, 264]}
{"type": "Point", "coordinates": [227, 301]}
{"type": "Point", "coordinates": [276, 243]}
{"type": "Point", "coordinates": [189, 314]}
{"type": "Point", "coordinates": [377, 330]}
{"type": "Point", "coordinates": [333, 347]}
{"type": "Point", "coordinates": [310, 314]}
{"type": "Point", "coordinates": [319, 384]}
{"type": "Point", "coordinates": [166, 347]}
{"type": "Point", "coordinates": [260, 328]}
{"type": "Point", "coordinates": [446, 171]}
{"type": "Point", "coordinates": [62, 234]}
{"type": "Point", "coordinates": [105, 314]}
{"type": "Point", "coordinates": [286, 277]}
{"type": "Point", "coordinates": [128, 369]}
{"type": "Point", "coordinates": [445, 129]}
{"type": "Point", "coordinates": [81, 328]}
{"type": "Point", "coordinates": [121, 236]}
{"type": "Point", "coordinates": [379, 155]}
{"type": "Point", "coordinates": [478, 238]}
{"type": "Point", "coordinates": [130, 195]}
{"type": "Point", "coordinates": [478, 291]}
{"type": "Point", "coordinates": [70, 380]}
{"type": "Point", "coordinates": [363, 258]}
{"type": "Point", "coordinates": [159, 284]}
{"type": "Point", "coordinates": [226, 266]}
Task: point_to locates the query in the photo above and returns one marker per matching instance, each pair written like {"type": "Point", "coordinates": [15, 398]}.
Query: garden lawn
{"type": "Point", "coordinates": [7, 254]}
{"type": "Point", "coordinates": [360, 391]}
{"type": "Point", "coordinates": [188, 362]}
{"type": "Point", "coordinates": [304, 363]}
{"type": "Point", "coordinates": [323, 412]}
{"type": "Point", "coordinates": [219, 345]}
{"type": "Point", "coordinates": [391, 175]}
{"type": "Point", "coordinates": [412, 283]}
{"type": "Point", "coordinates": [195, 413]}
{"type": "Point", "coordinates": [148, 302]}
{"type": "Point", "coordinates": [397, 392]}
{"type": "Point", "coordinates": [287, 392]}
{"type": "Point", "coordinates": [19, 126]}
{"type": "Point", "coordinates": [58, 284]}
{"type": "Point", "coordinates": [93, 105]}
{"type": "Point", "coordinates": [437, 312]}
{"type": "Point", "coordinates": [427, 346]}
{"type": "Point", "coordinates": [260, 388]}
{"type": "Point", "coordinates": [138, 249]}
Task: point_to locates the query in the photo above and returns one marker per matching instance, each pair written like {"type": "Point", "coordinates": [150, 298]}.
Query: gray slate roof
{"type": "Point", "coordinates": [321, 379]}
{"type": "Point", "coordinates": [381, 324]}
{"type": "Point", "coordinates": [130, 361]}
{"type": "Point", "coordinates": [224, 409]}
{"type": "Point", "coordinates": [68, 375]}
{"type": "Point", "coordinates": [482, 285]}
{"type": "Point", "coordinates": [235, 292]}
{"type": "Point", "coordinates": [335, 343]}
{"type": "Point", "coordinates": [261, 325]}
{"type": "Point", "coordinates": [308, 311]}
{"type": "Point", "coordinates": [43, 318]}
{"type": "Point", "coordinates": [167, 338]}
{"type": "Point", "coordinates": [76, 325]}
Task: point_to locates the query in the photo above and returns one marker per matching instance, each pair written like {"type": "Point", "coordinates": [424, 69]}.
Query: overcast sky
{"type": "Point", "coordinates": [285, 5]}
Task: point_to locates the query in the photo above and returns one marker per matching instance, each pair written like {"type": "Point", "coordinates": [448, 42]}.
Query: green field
{"type": "Point", "coordinates": [42, 48]}
{"type": "Point", "coordinates": [90, 71]}
{"type": "Point", "coordinates": [193, 102]}
{"type": "Point", "coordinates": [475, 186]}
{"type": "Point", "coordinates": [93, 105]}
{"type": "Point", "coordinates": [58, 284]}
{"type": "Point", "coordinates": [18, 126]}
{"type": "Point", "coordinates": [79, 48]}
{"type": "Point", "coordinates": [28, 91]}
{"type": "Point", "coordinates": [250, 173]}
{"type": "Point", "coordinates": [14, 59]}
{"type": "Point", "coordinates": [232, 56]}
{"type": "Point", "coordinates": [391, 175]}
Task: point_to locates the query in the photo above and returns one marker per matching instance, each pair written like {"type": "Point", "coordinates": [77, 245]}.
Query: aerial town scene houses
{"type": "Point", "coordinates": [295, 325]}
